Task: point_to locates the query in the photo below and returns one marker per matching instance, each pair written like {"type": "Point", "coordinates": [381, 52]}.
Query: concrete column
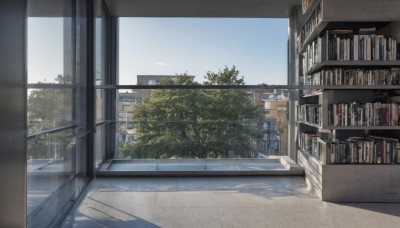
{"type": "Point", "coordinates": [293, 95]}
{"type": "Point", "coordinates": [13, 127]}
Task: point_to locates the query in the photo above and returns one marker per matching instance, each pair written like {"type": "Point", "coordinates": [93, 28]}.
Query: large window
{"type": "Point", "coordinates": [56, 146]}
{"type": "Point", "coordinates": [101, 64]}
{"type": "Point", "coordinates": [170, 46]}
{"type": "Point", "coordinates": [170, 108]}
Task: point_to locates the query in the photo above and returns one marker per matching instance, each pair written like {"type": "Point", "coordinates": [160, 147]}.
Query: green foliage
{"type": "Point", "coordinates": [47, 109]}
{"type": "Point", "coordinates": [225, 77]}
{"type": "Point", "coordinates": [193, 123]}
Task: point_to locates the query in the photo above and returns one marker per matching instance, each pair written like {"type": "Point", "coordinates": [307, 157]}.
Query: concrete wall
{"type": "Point", "coordinates": [13, 113]}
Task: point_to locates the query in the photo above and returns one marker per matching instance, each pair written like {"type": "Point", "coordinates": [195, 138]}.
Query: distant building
{"type": "Point", "coordinates": [126, 102]}
{"type": "Point", "coordinates": [275, 139]}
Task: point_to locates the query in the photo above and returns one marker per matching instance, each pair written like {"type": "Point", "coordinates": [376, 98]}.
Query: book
{"type": "Point", "coordinates": [359, 114]}
{"type": "Point", "coordinates": [364, 150]}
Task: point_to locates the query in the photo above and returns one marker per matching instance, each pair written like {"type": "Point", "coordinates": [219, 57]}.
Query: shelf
{"type": "Point", "coordinates": [361, 164]}
{"type": "Point", "coordinates": [309, 156]}
{"type": "Point", "coordinates": [351, 127]}
{"type": "Point", "coordinates": [312, 94]}
{"type": "Point", "coordinates": [354, 63]}
{"type": "Point", "coordinates": [310, 124]}
{"type": "Point", "coordinates": [351, 182]}
{"type": "Point", "coordinates": [323, 25]}
{"type": "Point", "coordinates": [349, 87]}
{"type": "Point", "coordinates": [362, 127]}
{"type": "Point", "coordinates": [367, 177]}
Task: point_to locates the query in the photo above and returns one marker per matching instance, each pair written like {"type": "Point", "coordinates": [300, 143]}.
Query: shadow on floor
{"type": "Point", "coordinates": [106, 216]}
{"type": "Point", "coordinates": [384, 208]}
{"type": "Point", "coordinates": [96, 223]}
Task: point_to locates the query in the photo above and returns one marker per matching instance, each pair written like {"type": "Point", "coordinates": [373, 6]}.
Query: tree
{"type": "Point", "coordinates": [49, 108]}
{"type": "Point", "coordinates": [194, 123]}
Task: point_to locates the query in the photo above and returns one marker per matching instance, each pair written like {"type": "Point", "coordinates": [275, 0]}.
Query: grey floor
{"type": "Point", "coordinates": [219, 202]}
{"type": "Point", "coordinates": [44, 177]}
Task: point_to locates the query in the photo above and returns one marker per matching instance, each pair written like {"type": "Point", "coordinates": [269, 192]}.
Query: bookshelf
{"type": "Point", "coordinates": [348, 121]}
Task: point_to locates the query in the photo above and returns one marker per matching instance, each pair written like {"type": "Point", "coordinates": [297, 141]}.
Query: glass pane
{"type": "Point", "coordinates": [100, 54]}
{"type": "Point", "coordinates": [46, 50]}
{"type": "Point", "coordinates": [53, 180]}
{"type": "Point", "coordinates": [100, 144]}
{"type": "Point", "coordinates": [49, 108]}
{"type": "Point", "coordinates": [194, 123]}
{"type": "Point", "coordinates": [50, 166]}
{"type": "Point", "coordinates": [170, 46]}
{"type": "Point", "coordinates": [100, 105]}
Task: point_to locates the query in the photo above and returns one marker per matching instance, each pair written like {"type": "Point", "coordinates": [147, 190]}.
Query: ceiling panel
{"type": "Point", "coordinates": [202, 8]}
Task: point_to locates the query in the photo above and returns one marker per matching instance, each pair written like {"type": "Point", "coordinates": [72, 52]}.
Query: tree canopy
{"type": "Point", "coordinates": [197, 123]}
{"type": "Point", "coordinates": [50, 108]}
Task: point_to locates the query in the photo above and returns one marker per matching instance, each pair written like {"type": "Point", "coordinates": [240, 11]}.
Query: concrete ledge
{"type": "Point", "coordinates": [290, 164]}
{"type": "Point", "coordinates": [274, 166]}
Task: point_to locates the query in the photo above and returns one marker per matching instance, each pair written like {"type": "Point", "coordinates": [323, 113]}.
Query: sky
{"type": "Point", "coordinates": [170, 46]}
{"type": "Point", "coordinates": [45, 49]}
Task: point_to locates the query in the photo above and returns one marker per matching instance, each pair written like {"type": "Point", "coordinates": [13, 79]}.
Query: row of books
{"type": "Point", "coordinates": [309, 113]}
{"type": "Point", "coordinates": [370, 150]}
{"type": "Point", "coordinates": [344, 77]}
{"type": "Point", "coordinates": [360, 47]}
{"type": "Point", "coordinates": [314, 20]}
{"type": "Point", "coordinates": [353, 150]}
{"type": "Point", "coordinates": [344, 45]}
{"type": "Point", "coordinates": [364, 114]}
{"type": "Point", "coordinates": [310, 143]}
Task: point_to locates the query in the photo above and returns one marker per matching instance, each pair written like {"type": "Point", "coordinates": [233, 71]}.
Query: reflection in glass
{"type": "Point", "coordinates": [50, 168]}
{"type": "Point", "coordinates": [100, 105]}
{"type": "Point", "coordinates": [100, 144]}
{"type": "Point", "coordinates": [53, 181]}
{"type": "Point", "coordinates": [100, 79]}
{"type": "Point", "coordinates": [99, 45]}
{"type": "Point", "coordinates": [49, 108]}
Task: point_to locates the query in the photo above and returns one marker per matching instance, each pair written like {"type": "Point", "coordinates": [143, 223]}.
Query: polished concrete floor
{"type": "Point", "coordinates": [219, 202]}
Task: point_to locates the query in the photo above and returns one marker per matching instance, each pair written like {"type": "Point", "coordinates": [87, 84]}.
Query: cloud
{"type": "Point", "coordinates": [160, 64]}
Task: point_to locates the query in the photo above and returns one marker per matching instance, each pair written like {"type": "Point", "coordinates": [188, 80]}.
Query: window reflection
{"type": "Point", "coordinates": [49, 108]}
{"type": "Point", "coordinates": [51, 112]}
{"type": "Point", "coordinates": [50, 168]}
{"type": "Point", "coordinates": [100, 79]}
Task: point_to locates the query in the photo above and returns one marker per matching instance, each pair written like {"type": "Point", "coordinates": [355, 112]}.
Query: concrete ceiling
{"type": "Point", "coordinates": [202, 8]}
{"type": "Point", "coordinates": [46, 8]}
{"type": "Point", "coordinates": [175, 8]}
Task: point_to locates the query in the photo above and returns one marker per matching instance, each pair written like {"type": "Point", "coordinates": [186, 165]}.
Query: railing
{"type": "Point", "coordinates": [176, 122]}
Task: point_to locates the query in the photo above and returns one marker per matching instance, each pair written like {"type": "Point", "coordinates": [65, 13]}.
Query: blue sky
{"type": "Point", "coordinates": [45, 49]}
{"type": "Point", "coordinates": [257, 47]}
{"type": "Point", "coordinates": [169, 46]}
